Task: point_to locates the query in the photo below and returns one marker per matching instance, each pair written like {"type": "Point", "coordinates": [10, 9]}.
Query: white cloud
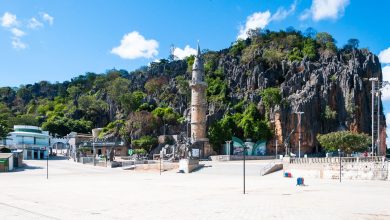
{"type": "Point", "coordinates": [260, 20]}
{"type": "Point", "coordinates": [384, 56]}
{"type": "Point", "coordinates": [325, 9]}
{"type": "Point", "coordinates": [388, 120]}
{"type": "Point", "coordinates": [18, 44]}
{"type": "Point", "coordinates": [46, 17]}
{"type": "Point", "coordinates": [255, 21]}
{"type": "Point", "coordinates": [282, 13]}
{"type": "Point", "coordinates": [183, 53]}
{"type": "Point", "coordinates": [33, 23]}
{"type": "Point", "coordinates": [17, 32]}
{"type": "Point", "coordinates": [386, 77]}
{"type": "Point", "coordinates": [133, 46]}
{"type": "Point", "coordinates": [8, 20]}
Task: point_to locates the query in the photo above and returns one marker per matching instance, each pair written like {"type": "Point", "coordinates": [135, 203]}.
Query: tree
{"type": "Point", "coordinates": [131, 101]}
{"type": "Point", "coordinates": [118, 87]}
{"type": "Point", "coordinates": [155, 85]}
{"type": "Point", "coordinates": [295, 55]}
{"type": "Point", "coordinates": [352, 44]}
{"type": "Point", "coordinates": [221, 131]}
{"type": "Point", "coordinates": [167, 114]}
{"type": "Point", "coordinates": [23, 120]}
{"type": "Point", "coordinates": [63, 125]}
{"type": "Point", "coordinates": [145, 142]}
{"type": "Point", "coordinates": [309, 49]}
{"type": "Point", "coordinates": [329, 114]}
{"type": "Point", "coordinates": [310, 32]}
{"type": "Point", "coordinates": [141, 123]}
{"type": "Point", "coordinates": [270, 97]}
{"type": "Point", "coordinates": [346, 141]}
{"type": "Point", "coordinates": [4, 130]}
{"type": "Point", "coordinates": [94, 109]}
{"type": "Point", "coordinates": [326, 41]}
{"type": "Point", "coordinates": [252, 126]}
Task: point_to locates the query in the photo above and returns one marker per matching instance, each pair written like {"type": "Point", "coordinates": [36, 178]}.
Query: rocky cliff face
{"type": "Point", "coordinates": [334, 93]}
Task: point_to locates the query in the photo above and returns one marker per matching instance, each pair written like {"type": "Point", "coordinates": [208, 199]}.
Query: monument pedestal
{"type": "Point", "coordinates": [188, 165]}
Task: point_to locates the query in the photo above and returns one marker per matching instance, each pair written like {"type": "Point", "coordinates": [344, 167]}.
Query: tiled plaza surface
{"type": "Point", "coordinates": [76, 191]}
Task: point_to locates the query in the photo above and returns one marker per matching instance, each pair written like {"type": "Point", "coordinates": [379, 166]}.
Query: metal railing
{"type": "Point", "coordinates": [336, 160]}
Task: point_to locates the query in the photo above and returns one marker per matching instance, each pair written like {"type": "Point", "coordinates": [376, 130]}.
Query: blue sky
{"type": "Point", "coordinates": [56, 40]}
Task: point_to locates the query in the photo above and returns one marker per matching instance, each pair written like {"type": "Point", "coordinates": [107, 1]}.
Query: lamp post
{"type": "Point", "coordinates": [94, 151]}
{"type": "Point", "coordinates": [340, 163]}
{"type": "Point", "coordinates": [47, 166]}
{"type": "Point", "coordinates": [299, 138]}
{"type": "Point", "coordinates": [373, 80]}
{"type": "Point", "coordinates": [244, 164]}
{"type": "Point", "coordinates": [378, 94]}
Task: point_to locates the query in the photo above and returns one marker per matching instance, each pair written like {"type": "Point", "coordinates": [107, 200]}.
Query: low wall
{"type": "Point", "coordinates": [367, 168]}
{"type": "Point", "coordinates": [239, 157]}
{"type": "Point", "coordinates": [188, 165]}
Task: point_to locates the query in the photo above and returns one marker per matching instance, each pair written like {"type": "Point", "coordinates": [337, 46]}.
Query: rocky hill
{"type": "Point", "coordinates": [279, 73]}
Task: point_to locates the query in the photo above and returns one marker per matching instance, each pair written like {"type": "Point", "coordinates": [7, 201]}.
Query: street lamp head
{"type": "Point", "coordinates": [373, 79]}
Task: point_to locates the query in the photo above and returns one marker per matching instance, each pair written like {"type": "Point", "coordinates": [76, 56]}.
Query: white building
{"type": "Point", "coordinates": [32, 139]}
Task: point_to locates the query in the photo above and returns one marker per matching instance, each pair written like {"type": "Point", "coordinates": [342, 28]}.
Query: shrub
{"type": "Point", "coordinates": [146, 143]}
{"type": "Point", "coordinates": [139, 151]}
{"type": "Point", "coordinates": [329, 114]}
{"type": "Point", "coordinates": [273, 56]}
{"type": "Point", "coordinates": [309, 49]}
{"type": "Point", "coordinates": [346, 141]}
{"type": "Point", "coordinates": [237, 48]}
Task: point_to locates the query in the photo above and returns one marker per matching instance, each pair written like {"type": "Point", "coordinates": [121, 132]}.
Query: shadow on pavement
{"type": "Point", "coordinates": [58, 158]}
{"type": "Point", "coordinates": [26, 167]}
{"type": "Point", "coordinates": [201, 167]}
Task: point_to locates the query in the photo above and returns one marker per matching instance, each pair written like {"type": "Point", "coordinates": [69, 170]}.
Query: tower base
{"type": "Point", "coordinates": [204, 147]}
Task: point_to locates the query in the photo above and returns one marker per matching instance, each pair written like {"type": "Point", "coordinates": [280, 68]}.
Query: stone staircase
{"type": "Point", "coordinates": [271, 167]}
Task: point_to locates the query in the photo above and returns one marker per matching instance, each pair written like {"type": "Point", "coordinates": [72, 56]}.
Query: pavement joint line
{"type": "Point", "coordinates": [26, 210]}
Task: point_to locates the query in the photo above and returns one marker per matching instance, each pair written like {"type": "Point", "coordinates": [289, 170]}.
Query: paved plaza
{"type": "Point", "coordinates": [76, 191]}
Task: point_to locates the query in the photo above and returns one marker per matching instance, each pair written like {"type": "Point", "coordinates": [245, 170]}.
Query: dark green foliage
{"type": "Point", "coordinates": [190, 61]}
{"type": "Point", "coordinates": [237, 47]}
{"type": "Point", "coordinates": [131, 101]}
{"type": "Point", "coordinates": [63, 125]}
{"type": "Point", "coordinates": [221, 131]}
{"type": "Point", "coordinates": [295, 55]}
{"type": "Point", "coordinates": [140, 151]}
{"type": "Point", "coordinates": [117, 88]}
{"type": "Point", "coordinates": [245, 125]}
{"type": "Point", "coordinates": [252, 126]}
{"type": "Point", "coordinates": [94, 109]}
{"type": "Point", "coordinates": [347, 141]}
{"type": "Point", "coordinates": [273, 56]}
{"type": "Point", "coordinates": [4, 129]}
{"type": "Point", "coordinates": [167, 114]}
{"type": "Point", "coordinates": [270, 97]}
{"type": "Point", "coordinates": [309, 49]}
{"type": "Point", "coordinates": [115, 128]}
{"type": "Point", "coordinates": [23, 120]}
{"type": "Point", "coordinates": [352, 44]}
{"type": "Point", "coordinates": [329, 114]}
{"type": "Point", "coordinates": [216, 89]}
{"type": "Point", "coordinates": [145, 142]}
{"type": "Point", "coordinates": [326, 42]}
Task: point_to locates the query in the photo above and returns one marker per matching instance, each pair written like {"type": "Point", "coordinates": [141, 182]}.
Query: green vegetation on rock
{"type": "Point", "coordinates": [347, 141]}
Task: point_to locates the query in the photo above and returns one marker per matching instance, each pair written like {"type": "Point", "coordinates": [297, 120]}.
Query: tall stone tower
{"type": "Point", "coordinates": [198, 100]}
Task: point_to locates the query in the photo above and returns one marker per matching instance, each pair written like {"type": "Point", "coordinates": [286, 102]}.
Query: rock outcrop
{"type": "Point", "coordinates": [337, 83]}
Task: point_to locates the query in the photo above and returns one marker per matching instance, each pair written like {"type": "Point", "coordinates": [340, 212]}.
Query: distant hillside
{"type": "Point", "coordinates": [270, 73]}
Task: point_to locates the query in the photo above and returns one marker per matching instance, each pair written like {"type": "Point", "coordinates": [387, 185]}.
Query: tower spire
{"type": "Point", "coordinates": [198, 50]}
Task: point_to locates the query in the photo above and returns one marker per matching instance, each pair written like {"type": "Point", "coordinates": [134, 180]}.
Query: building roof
{"type": "Point", "coordinates": [5, 155]}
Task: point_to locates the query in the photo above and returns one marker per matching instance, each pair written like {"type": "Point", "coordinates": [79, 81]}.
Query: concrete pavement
{"type": "Point", "coordinates": [76, 191]}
